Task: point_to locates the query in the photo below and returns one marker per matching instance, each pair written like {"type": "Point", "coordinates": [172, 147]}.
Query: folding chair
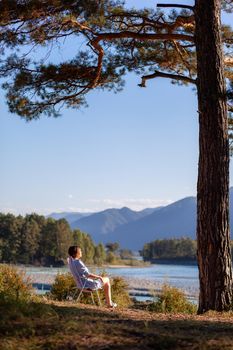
{"type": "Point", "coordinates": [80, 286]}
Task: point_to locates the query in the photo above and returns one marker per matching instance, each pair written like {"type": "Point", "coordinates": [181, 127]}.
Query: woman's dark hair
{"type": "Point", "coordinates": [72, 251]}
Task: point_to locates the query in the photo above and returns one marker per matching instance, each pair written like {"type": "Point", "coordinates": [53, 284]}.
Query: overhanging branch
{"type": "Point", "coordinates": [142, 36]}
{"type": "Point", "coordinates": [177, 5]}
{"type": "Point", "coordinates": [132, 35]}
{"type": "Point", "coordinates": [158, 74]}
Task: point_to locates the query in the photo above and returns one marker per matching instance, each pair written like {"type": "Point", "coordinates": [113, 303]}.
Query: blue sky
{"type": "Point", "coordinates": [137, 148]}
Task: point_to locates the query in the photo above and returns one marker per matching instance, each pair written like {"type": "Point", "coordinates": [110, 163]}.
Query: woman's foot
{"type": "Point", "coordinates": [112, 305]}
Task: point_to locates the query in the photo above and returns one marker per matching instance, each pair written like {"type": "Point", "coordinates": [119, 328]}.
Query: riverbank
{"type": "Point", "coordinates": [138, 263]}
{"type": "Point", "coordinates": [72, 326]}
{"type": "Point", "coordinates": [138, 287]}
{"type": "Point", "coordinates": [174, 261]}
{"type": "Point", "coordinates": [142, 282]}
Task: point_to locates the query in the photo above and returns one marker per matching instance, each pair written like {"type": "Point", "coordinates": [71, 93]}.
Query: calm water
{"type": "Point", "coordinates": [177, 275]}
{"type": "Point", "coordinates": [184, 277]}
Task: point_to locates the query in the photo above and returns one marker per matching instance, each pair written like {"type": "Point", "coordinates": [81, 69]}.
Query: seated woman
{"type": "Point", "coordinates": [87, 279]}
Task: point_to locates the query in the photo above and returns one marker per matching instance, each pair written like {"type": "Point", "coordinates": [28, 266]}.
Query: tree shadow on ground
{"type": "Point", "coordinates": [77, 327]}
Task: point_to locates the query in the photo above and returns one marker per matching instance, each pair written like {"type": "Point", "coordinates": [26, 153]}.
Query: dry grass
{"type": "Point", "coordinates": [73, 326]}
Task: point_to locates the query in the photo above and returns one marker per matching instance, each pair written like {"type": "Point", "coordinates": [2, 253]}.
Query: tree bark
{"type": "Point", "coordinates": [213, 237]}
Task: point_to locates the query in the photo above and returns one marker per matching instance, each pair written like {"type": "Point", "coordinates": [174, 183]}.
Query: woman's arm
{"type": "Point", "coordinates": [91, 275]}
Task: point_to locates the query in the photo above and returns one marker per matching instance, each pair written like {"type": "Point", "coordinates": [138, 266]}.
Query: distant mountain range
{"type": "Point", "coordinates": [69, 216]}
{"type": "Point", "coordinates": [132, 229]}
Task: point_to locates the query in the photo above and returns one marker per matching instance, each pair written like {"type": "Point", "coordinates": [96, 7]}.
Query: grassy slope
{"type": "Point", "coordinates": [72, 326]}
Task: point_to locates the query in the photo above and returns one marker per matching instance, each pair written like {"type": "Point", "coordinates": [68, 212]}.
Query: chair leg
{"type": "Point", "coordinates": [92, 297]}
{"type": "Point", "coordinates": [93, 302]}
{"type": "Point", "coordinates": [75, 292]}
{"type": "Point", "coordinates": [79, 295]}
{"type": "Point", "coordinates": [98, 297]}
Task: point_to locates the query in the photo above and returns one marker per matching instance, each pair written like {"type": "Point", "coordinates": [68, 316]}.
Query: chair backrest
{"type": "Point", "coordinates": [75, 273]}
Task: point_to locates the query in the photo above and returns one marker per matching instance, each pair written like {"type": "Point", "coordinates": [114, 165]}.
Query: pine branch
{"type": "Point", "coordinates": [178, 50]}
{"type": "Point", "coordinates": [177, 5]}
{"type": "Point", "coordinates": [142, 36]}
{"type": "Point", "coordinates": [228, 61]}
{"type": "Point", "coordinates": [100, 51]}
{"type": "Point", "coordinates": [158, 74]}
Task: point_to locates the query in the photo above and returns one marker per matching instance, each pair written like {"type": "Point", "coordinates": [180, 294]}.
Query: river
{"type": "Point", "coordinates": [149, 278]}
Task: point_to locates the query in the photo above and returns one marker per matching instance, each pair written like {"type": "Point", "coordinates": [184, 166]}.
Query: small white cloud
{"type": "Point", "coordinates": [70, 196]}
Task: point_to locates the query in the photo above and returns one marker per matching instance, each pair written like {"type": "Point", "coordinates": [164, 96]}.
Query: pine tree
{"type": "Point", "coordinates": [30, 235]}
{"type": "Point", "coordinates": [100, 254]}
{"type": "Point", "coordinates": [10, 235]}
{"type": "Point", "coordinates": [152, 44]}
{"type": "Point", "coordinates": [213, 236]}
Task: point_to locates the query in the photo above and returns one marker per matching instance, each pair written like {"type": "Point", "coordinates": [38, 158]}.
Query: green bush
{"type": "Point", "coordinates": [14, 286]}
{"type": "Point", "coordinates": [172, 300]}
{"type": "Point", "coordinates": [64, 287]}
{"type": "Point", "coordinates": [17, 300]}
{"type": "Point", "coordinates": [120, 293]}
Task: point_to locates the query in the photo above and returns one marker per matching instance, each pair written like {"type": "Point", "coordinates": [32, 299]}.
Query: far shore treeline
{"type": "Point", "coordinates": [168, 249]}
{"type": "Point", "coordinates": [177, 249]}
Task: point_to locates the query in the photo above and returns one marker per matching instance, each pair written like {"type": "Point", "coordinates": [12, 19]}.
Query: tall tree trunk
{"type": "Point", "coordinates": [213, 241]}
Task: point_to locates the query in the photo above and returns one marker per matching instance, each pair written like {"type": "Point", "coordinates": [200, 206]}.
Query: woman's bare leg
{"type": "Point", "coordinates": [107, 291]}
